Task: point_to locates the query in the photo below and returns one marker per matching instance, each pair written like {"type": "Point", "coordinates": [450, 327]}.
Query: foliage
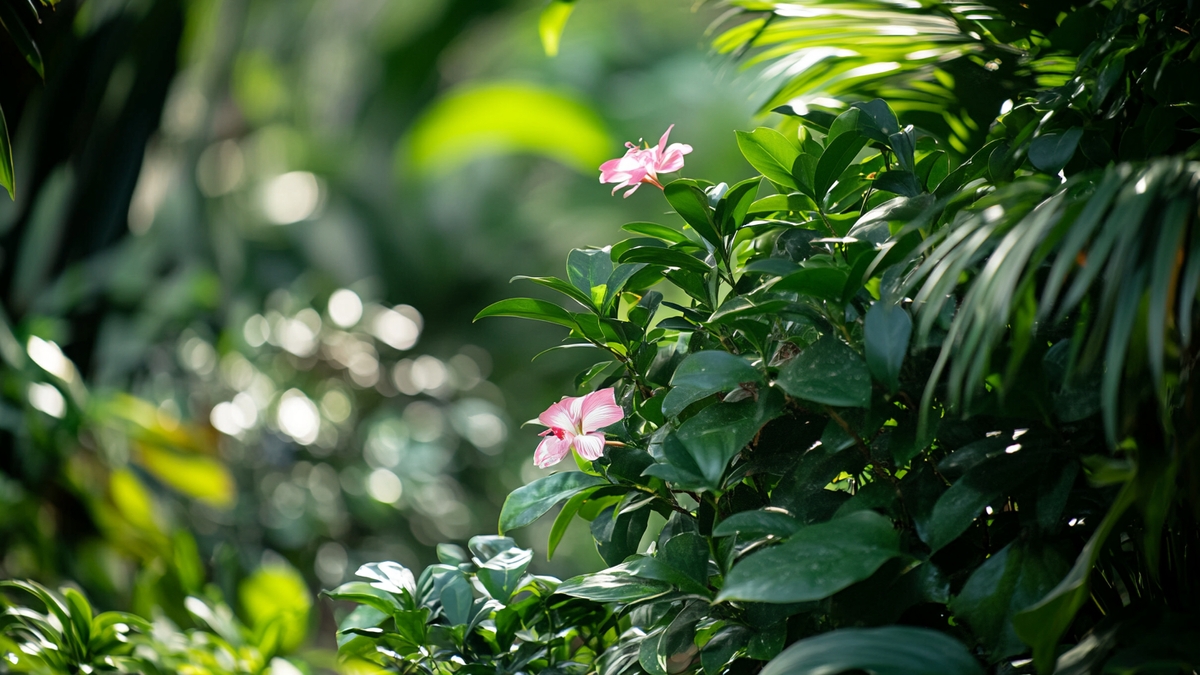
{"type": "Point", "coordinates": [916, 399]}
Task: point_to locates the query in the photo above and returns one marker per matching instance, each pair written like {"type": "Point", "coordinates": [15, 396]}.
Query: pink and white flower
{"type": "Point", "coordinates": [574, 422]}
{"type": "Point", "coordinates": [642, 165]}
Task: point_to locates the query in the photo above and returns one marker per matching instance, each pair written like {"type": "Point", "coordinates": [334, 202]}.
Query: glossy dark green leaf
{"type": "Point", "coordinates": [886, 331]}
{"type": "Point", "coordinates": [529, 502]}
{"type": "Point", "coordinates": [1051, 152]}
{"type": "Point", "coordinates": [501, 574]}
{"type": "Point", "coordinates": [720, 650]}
{"type": "Point", "coordinates": [903, 183]}
{"type": "Point", "coordinates": [456, 598]}
{"type": "Point", "coordinates": [751, 524]}
{"type": "Point", "coordinates": [877, 121]}
{"type": "Point", "coordinates": [904, 145]}
{"type": "Point", "coordinates": [714, 435]}
{"type": "Point", "coordinates": [985, 483]}
{"type": "Point", "coordinates": [691, 203]}
{"type": "Point", "coordinates": [687, 553]}
{"type": "Point", "coordinates": [529, 308]}
{"type": "Point", "coordinates": [1043, 623]}
{"type": "Point", "coordinates": [816, 562]}
{"type": "Point", "coordinates": [617, 537]}
{"type": "Point", "coordinates": [838, 156]}
{"type": "Point", "coordinates": [588, 269]}
{"type": "Point", "coordinates": [1006, 583]}
{"type": "Point", "coordinates": [825, 283]}
{"type": "Point", "coordinates": [770, 153]}
{"type": "Point", "coordinates": [615, 584]}
{"type": "Point", "coordinates": [704, 374]}
{"type": "Point", "coordinates": [744, 306]}
{"type": "Point", "coordinates": [731, 211]}
{"type": "Point", "coordinates": [667, 257]}
{"type": "Point", "coordinates": [663, 232]}
{"type": "Point", "coordinates": [891, 650]}
{"type": "Point", "coordinates": [621, 275]}
{"type": "Point", "coordinates": [830, 372]}
{"type": "Point", "coordinates": [561, 286]}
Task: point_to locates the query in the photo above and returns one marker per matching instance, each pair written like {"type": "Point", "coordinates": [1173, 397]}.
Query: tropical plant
{"type": "Point", "coordinates": [916, 399]}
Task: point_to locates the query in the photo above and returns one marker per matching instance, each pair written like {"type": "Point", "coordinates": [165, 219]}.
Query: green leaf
{"type": "Point", "coordinates": [877, 120]}
{"type": "Point", "coordinates": [588, 269]}
{"type": "Point", "coordinates": [825, 283]}
{"type": "Point", "coordinates": [744, 307]}
{"type": "Point", "coordinates": [563, 520]}
{"type": "Point", "coordinates": [1042, 624]}
{"type": "Point", "coordinates": [687, 552]}
{"type": "Point", "coordinates": [886, 331]}
{"type": "Point", "coordinates": [903, 183]}
{"type": "Point", "coordinates": [790, 203]}
{"type": "Point", "coordinates": [1006, 583]}
{"type": "Point", "coordinates": [891, 650]}
{"type": "Point", "coordinates": [829, 372]}
{"type": "Point", "coordinates": [277, 594]}
{"type": "Point", "coordinates": [561, 286]}
{"type": "Point", "coordinates": [816, 562]}
{"type": "Point", "coordinates": [528, 308]}
{"type": "Point", "coordinates": [837, 157]}
{"type": "Point", "coordinates": [719, 650]}
{"type": "Point", "coordinates": [21, 37]}
{"type": "Point", "coordinates": [690, 202]}
{"type": "Point", "coordinates": [617, 537]}
{"type": "Point", "coordinates": [731, 210]}
{"type": "Point", "coordinates": [667, 257]}
{"type": "Point", "coordinates": [984, 483]}
{"type": "Point", "coordinates": [501, 574]}
{"type": "Point", "coordinates": [663, 232]}
{"type": "Point", "coordinates": [615, 584]}
{"type": "Point", "coordinates": [529, 502]}
{"type": "Point", "coordinates": [753, 524]}
{"type": "Point", "coordinates": [364, 593]}
{"type": "Point", "coordinates": [552, 22]}
{"type": "Point", "coordinates": [770, 153]}
{"type": "Point", "coordinates": [714, 435]}
{"type": "Point", "coordinates": [616, 282]}
{"type": "Point", "coordinates": [456, 598]}
{"type": "Point", "coordinates": [704, 374]}
{"type": "Point", "coordinates": [7, 172]}
{"type": "Point", "coordinates": [1051, 152]}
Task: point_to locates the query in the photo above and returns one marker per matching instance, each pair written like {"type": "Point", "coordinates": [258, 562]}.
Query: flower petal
{"type": "Point", "coordinates": [551, 450]}
{"type": "Point", "coordinates": [559, 416]}
{"type": "Point", "coordinates": [662, 142]}
{"type": "Point", "coordinates": [590, 446]}
{"type": "Point", "coordinates": [599, 409]}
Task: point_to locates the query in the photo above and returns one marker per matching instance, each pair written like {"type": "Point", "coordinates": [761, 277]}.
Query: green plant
{"type": "Point", "coordinates": [918, 398]}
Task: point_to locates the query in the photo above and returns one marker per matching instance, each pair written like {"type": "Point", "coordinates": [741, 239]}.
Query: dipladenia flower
{"type": "Point", "coordinates": [642, 165]}
{"type": "Point", "coordinates": [574, 422]}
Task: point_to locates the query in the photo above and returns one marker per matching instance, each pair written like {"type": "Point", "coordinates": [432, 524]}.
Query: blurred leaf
{"type": "Point", "coordinates": [552, 22]}
{"type": "Point", "coordinates": [482, 120]}
{"type": "Point", "coordinates": [133, 500]}
{"type": "Point", "coordinates": [527, 503]}
{"type": "Point", "coordinates": [7, 172]}
{"type": "Point", "coordinates": [891, 650]}
{"type": "Point", "coordinates": [21, 37]}
{"type": "Point", "coordinates": [202, 478]}
{"type": "Point", "coordinates": [276, 594]}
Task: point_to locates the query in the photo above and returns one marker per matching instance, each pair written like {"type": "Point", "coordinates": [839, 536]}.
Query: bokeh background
{"type": "Point", "coordinates": [248, 241]}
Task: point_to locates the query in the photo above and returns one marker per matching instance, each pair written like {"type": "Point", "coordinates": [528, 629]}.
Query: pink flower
{"type": "Point", "coordinates": [642, 165]}
{"type": "Point", "coordinates": [573, 423]}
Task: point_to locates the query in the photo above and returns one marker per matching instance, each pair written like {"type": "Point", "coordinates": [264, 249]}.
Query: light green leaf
{"type": "Point", "coordinates": [503, 118]}
{"type": "Point", "coordinates": [552, 22]}
{"type": "Point", "coordinates": [770, 153]}
{"type": "Point", "coordinates": [528, 308]}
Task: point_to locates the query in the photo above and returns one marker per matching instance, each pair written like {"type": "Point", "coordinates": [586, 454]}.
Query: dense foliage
{"type": "Point", "coordinates": [915, 399]}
